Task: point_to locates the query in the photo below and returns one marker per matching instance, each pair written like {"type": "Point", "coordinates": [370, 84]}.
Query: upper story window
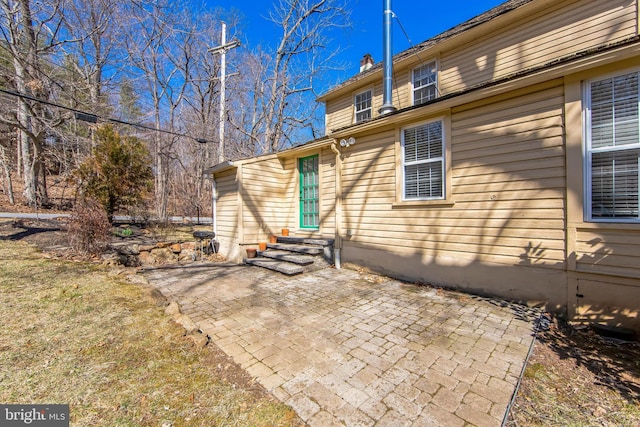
{"type": "Point", "coordinates": [424, 79]}
{"type": "Point", "coordinates": [362, 104]}
{"type": "Point", "coordinates": [612, 148]}
{"type": "Point", "coordinates": [423, 161]}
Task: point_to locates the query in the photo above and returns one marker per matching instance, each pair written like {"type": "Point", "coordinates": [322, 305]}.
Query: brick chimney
{"type": "Point", "coordinates": [366, 62]}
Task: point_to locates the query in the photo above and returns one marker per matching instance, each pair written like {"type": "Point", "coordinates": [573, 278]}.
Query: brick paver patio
{"type": "Point", "coordinates": [345, 348]}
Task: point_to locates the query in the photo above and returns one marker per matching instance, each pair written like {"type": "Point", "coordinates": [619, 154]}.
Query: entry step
{"type": "Point", "coordinates": [287, 256]}
{"type": "Point", "coordinates": [304, 241]}
{"type": "Point", "coordinates": [299, 248]}
{"type": "Point", "coordinates": [283, 267]}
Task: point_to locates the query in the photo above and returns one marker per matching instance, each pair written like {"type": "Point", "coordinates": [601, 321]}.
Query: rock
{"type": "Point", "coordinates": [163, 245]}
{"type": "Point", "coordinates": [189, 325]}
{"type": "Point", "coordinates": [199, 339]}
{"type": "Point", "coordinates": [172, 309]}
{"type": "Point", "coordinates": [164, 255]}
{"type": "Point", "coordinates": [145, 258]}
{"type": "Point", "coordinates": [176, 248]}
{"type": "Point", "coordinates": [188, 246]}
{"type": "Point", "coordinates": [128, 250]}
{"type": "Point", "coordinates": [111, 259]}
{"type": "Point", "coordinates": [185, 257]}
{"type": "Point", "coordinates": [146, 248]}
{"type": "Point", "coordinates": [157, 296]}
{"type": "Point", "coordinates": [132, 261]}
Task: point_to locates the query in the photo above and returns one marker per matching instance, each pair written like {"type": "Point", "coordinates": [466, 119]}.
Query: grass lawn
{"type": "Point", "coordinates": [73, 334]}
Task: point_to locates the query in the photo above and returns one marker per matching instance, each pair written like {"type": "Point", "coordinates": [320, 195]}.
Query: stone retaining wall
{"type": "Point", "coordinates": [144, 254]}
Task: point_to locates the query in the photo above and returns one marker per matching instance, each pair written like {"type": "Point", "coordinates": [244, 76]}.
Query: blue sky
{"type": "Point", "coordinates": [420, 19]}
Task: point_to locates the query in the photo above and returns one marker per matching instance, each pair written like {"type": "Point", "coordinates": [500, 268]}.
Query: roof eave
{"type": "Point", "coordinates": [220, 167]}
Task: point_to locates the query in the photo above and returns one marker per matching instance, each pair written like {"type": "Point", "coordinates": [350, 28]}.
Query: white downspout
{"type": "Point", "coordinates": [337, 244]}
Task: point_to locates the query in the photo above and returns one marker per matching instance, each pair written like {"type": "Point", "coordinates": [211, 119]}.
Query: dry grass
{"type": "Point", "coordinates": [73, 334]}
{"type": "Point", "coordinates": [575, 378]}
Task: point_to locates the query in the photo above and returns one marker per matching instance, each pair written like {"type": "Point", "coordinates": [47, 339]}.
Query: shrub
{"type": "Point", "coordinates": [118, 173]}
{"type": "Point", "coordinates": [89, 227]}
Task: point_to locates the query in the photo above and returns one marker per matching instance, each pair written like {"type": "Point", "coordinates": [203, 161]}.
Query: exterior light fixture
{"type": "Point", "coordinates": [347, 142]}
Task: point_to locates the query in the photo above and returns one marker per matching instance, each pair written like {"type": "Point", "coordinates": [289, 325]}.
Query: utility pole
{"type": "Point", "coordinates": [222, 50]}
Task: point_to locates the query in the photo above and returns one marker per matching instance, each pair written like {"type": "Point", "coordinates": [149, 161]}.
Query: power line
{"type": "Point", "coordinates": [93, 118]}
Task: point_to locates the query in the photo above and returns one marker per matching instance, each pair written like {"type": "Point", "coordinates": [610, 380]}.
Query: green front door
{"type": "Point", "coordinates": [309, 192]}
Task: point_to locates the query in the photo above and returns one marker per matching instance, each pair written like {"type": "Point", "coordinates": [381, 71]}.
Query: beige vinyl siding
{"type": "Point", "coordinates": [402, 87]}
{"type": "Point", "coordinates": [327, 193]}
{"type": "Point", "coordinates": [369, 173]}
{"type": "Point", "coordinates": [339, 113]}
{"type": "Point", "coordinates": [376, 101]}
{"type": "Point", "coordinates": [263, 199]}
{"type": "Point", "coordinates": [508, 163]}
{"type": "Point", "coordinates": [609, 251]}
{"type": "Point", "coordinates": [227, 205]}
{"type": "Point", "coordinates": [289, 215]}
{"type": "Point", "coordinates": [555, 32]}
{"type": "Point", "coordinates": [508, 178]}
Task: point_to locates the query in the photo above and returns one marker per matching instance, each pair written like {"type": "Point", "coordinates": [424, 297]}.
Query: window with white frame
{"type": "Point", "coordinates": [423, 162]}
{"type": "Point", "coordinates": [424, 79]}
{"type": "Point", "coordinates": [612, 148]}
{"type": "Point", "coordinates": [362, 104]}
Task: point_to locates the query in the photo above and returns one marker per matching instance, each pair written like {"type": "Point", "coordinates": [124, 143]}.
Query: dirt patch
{"type": "Point", "coordinates": [577, 377]}
{"type": "Point", "coordinates": [45, 234]}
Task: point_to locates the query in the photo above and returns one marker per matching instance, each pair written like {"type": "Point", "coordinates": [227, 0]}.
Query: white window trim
{"type": "Point", "coordinates": [443, 161]}
{"type": "Point", "coordinates": [586, 150]}
{"type": "Point", "coordinates": [412, 83]}
{"type": "Point", "coordinates": [355, 106]}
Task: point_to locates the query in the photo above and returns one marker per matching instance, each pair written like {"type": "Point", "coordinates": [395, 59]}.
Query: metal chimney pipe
{"type": "Point", "coordinates": [387, 60]}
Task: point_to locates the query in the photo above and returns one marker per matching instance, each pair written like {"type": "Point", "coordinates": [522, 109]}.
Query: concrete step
{"type": "Point", "coordinates": [273, 264]}
{"type": "Point", "coordinates": [287, 256]}
{"type": "Point", "coordinates": [304, 241]}
{"type": "Point", "coordinates": [299, 248]}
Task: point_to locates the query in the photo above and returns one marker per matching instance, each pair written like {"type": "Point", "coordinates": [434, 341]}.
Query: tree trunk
{"type": "Point", "coordinates": [28, 44]}
{"type": "Point", "coordinates": [28, 172]}
{"type": "Point", "coordinates": [8, 186]}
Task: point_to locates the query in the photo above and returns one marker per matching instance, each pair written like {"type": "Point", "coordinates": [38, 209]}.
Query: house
{"type": "Point", "coordinates": [507, 166]}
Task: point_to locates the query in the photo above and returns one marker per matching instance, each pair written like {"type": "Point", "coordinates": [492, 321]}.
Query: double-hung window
{"type": "Point", "coordinates": [424, 79]}
{"type": "Point", "coordinates": [362, 104]}
{"type": "Point", "coordinates": [612, 148]}
{"type": "Point", "coordinates": [423, 162]}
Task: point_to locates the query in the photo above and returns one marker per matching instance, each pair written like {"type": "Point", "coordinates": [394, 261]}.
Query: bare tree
{"type": "Point", "coordinates": [168, 45]}
{"type": "Point", "coordinates": [287, 104]}
{"type": "Point", "coordinates": [161, 75]}
{"type": "Point", "coordinates": [94, 25]}
{"type": "Point", "coordinates": [29, 36]}
{"type": "Point", "coordinates": [148, 43]}
{"type": "Point", "coordinates": [200, 112]}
